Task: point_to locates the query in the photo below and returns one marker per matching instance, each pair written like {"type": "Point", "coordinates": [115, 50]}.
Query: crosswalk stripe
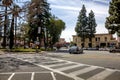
{"type": "Point", "coordinates": [51, 62]}
{"type": "Point", "coordinates": [102, 75]}
{"type": "Point", "coordinates": [11, 76]}
{"type": "Point", "coordinates": [60, 64]}
{"type": "Point", "coordinates": [69, 67]}
{"type": "Point", "coordinates": [53, 76]}
{"type": "Point", "coordinates": [67, 75]}
{"type": "Point", "coordinates": [99, 76]}
{"type": "Point", "coordinates": [85, 70]}
{"type": "Point", "coordinates": [32, 76]}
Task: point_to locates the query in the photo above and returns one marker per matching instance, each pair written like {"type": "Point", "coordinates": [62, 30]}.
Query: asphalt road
{"type": "Point", "coordinates": [62, 66]}
{"type": "Point", "coordinates": [97, 58]}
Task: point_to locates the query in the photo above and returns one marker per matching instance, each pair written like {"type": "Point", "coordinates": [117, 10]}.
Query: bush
{"type": "Point", "coordinates": [20, 50]}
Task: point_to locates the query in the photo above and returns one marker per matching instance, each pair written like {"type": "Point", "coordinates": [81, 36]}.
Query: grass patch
{"type": "Point", "coordinates": [21, 50]}
{"type": "Point", "coordinates": [26, 50]}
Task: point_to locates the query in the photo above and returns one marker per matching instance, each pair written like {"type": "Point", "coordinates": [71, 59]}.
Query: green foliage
{"type": "Point", "coordinates": [81, 23]}
{"type": "Point", "coordinates": [113, 20]}
{"type": "Point", "coordinates": [38, 17]}
{"type": "Point", "coordinates": [91, 24]}
{"type": "Point", "coordinates": [20, 50]}
{"type": "Point", "coordinates": [55, 29]}
{"type": "Point", "coordinates": [72, 44]}
{"type": "Point", "coordinates": [86, 26]}
{"type": "Point", "coordinates": [25, 29]}
{"type": "Point", "coordinates": [23, 50]}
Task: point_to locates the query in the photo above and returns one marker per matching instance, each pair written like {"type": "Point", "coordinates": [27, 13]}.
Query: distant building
{"type": "Point", "coordinates": [100, 40]}
{"type": "Point", "coordinates": [61, 42]}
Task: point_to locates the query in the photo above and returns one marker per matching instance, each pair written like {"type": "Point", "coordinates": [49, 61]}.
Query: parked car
{"type": "Point", "coordinates": [104, 49]}
{"type": "Point", "coordinates": [114, 50]}
{"type": "Point", "coordinates": [92, 48]}
{"type": "Point", "coordinates": [75, 49]}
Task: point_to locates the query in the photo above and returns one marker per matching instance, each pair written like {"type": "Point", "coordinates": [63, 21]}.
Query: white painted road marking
{"type": "Point", "coordinates": [69, 67]}
{"type": "Point", "coordinates": [53, 76]}
{"type": "Point", "coordinates": [25, 72]}
{"type": "Point", "coordinates": [102, 75]}
{"type": "Point", "coordinates": [62, 73]}
{"type": "Point", "coordinates": [50, 62]}
{"type": "Point", "coordinates": [11, 76]}
{"type": "Point", "coordinates": [99, 76]}
{"type": "Point", "coordinates": [53, 65]}
{"type": "Point", "coordinates": [85, 70]}
{"type": "Point", "coordinates": [32, 76]}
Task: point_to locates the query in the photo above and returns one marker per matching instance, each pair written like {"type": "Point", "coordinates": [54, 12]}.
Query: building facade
{"type": "Point", "coordinates": [100, 40]}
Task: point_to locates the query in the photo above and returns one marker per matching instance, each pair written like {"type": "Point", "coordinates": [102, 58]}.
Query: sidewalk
{"type": "Point", "coordinates": [1, 52]}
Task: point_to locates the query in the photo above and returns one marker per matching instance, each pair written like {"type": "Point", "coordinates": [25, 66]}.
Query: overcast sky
{"type": "Point", "coordinates": [68, 11]}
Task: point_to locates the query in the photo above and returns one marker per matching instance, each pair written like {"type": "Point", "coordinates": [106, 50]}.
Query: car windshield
{"type": "Point", "coordinates": [74, 47]}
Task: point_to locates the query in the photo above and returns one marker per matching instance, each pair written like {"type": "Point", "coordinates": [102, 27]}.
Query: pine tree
{"type": "Point", "coordinates": [113, 21]}
{"type": "Point", "coordinates": [91, 26]}
{"type": "Point", "coordinates": [82, 25]}
{"type": "Point", "coordinates": [6, 4]}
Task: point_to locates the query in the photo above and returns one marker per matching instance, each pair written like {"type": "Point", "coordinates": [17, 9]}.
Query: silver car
{"type": "Point", "coordinates": [75, 49]}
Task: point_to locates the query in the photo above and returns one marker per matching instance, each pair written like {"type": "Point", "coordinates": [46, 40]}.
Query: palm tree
{"type": "Point", "coordinates": [38, 17]}
{"type": "Point", "coordinates": [15, 13]}
{"type": "Point", "coordinates": [5, 3]}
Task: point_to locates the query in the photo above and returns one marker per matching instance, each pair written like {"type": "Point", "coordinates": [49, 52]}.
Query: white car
{"type": "Point", "coordinates": [75, 49]}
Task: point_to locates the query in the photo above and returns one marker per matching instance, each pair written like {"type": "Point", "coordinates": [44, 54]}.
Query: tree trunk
{"type": "Point", "coordinates": [5, 26]}
{"type": "Point", "coordinates": [12, 33]}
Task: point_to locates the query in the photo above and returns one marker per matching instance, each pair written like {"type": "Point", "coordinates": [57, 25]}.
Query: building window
{"type": "Point", "coordinates": [90, 39]}
{"type": "Point", "coordinates": [95, 39]}
{"type": "Point", "coordinates": [75, 39]}
{"type": "Point", "coordinates": [105, 38]}
{"type": "Point", "coordinates": [98, 38]}
{"type": "Point", "coordinates": [81, 39]}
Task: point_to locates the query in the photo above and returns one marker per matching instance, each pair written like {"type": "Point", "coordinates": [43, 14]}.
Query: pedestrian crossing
{"type": "Point", "coordinates": [77, 71]}
{"type": "Point", "coordinates": [29, 76]}
{"type": "Point", "coordinates": [85, 70]}
{"type": "Point", "coordinates": [102, 75]}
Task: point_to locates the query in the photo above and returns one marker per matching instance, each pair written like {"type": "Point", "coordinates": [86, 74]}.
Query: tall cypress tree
{"type": "Point", "coordinates": [81, 25]}
{"type": "Point", "coordinates": [113, 21]}
{"type": "Point", "coordinates": [92, 26]}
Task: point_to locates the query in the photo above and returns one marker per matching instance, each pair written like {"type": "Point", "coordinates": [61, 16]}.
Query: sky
{"type": "Point", "coordinates": [68, 11]}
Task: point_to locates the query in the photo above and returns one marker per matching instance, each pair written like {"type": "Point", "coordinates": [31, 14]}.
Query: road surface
{"type": "Point", "coordinates": [62, 66]}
